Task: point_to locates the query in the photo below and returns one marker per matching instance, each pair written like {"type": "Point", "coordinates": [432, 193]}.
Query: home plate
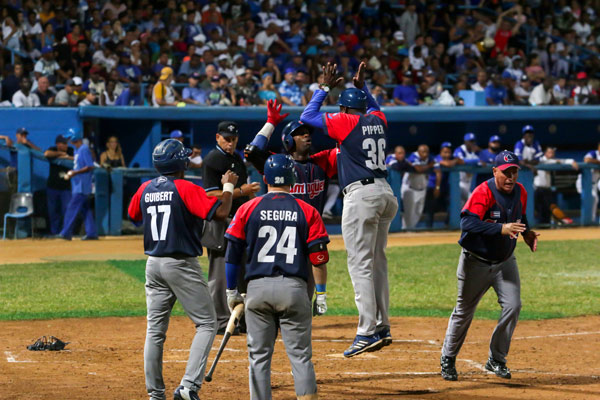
{"type": "Point", "coordinates": [338, 355]}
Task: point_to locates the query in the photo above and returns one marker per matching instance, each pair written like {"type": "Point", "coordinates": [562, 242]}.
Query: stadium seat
{"type": "Point", "coordinates": [21, 206]}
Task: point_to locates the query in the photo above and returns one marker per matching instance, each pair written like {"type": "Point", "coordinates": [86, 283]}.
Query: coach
{"type": "Point", "coordinates": [491, 222]}
{"type": "Point", "coordinates": [220, 160]}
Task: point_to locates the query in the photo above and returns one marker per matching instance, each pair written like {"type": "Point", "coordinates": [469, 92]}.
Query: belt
{"type": "Point", "coordinates": [482, 259]}
{"type": "Point", "coordinates": [364, 182]}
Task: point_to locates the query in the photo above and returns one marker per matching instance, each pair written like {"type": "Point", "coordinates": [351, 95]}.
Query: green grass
{"type": "Point", "coordinates": [562, 279]}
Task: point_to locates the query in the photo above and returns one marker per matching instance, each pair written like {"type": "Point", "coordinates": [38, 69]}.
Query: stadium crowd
{"type": "Point", "coordinates": [168, 53]}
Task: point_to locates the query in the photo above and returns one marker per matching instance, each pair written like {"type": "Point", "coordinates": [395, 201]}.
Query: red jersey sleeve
{"type": "Point", "coordinates": [196, 201]}
{"type": "Point", "coordinates": [316, 228]}
{"type": "Point", "coordinates": [339, 125]}
{"type": "Point", "coordinates": [480, 201]}
{"type": "Point", "coordinates": [237, 227]}
{"type": "Point", "coordinates": [327, 161]}
{"type": "Point", "coordinates": [380, 115]}
{"type": "Point", "coordinates": [134, 210]}
{"type": "Point", "coordinates": [523, 198]}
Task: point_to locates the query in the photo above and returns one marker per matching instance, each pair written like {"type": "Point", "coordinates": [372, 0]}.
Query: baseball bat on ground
{"type": "Point", "coordinates": [236, 314]}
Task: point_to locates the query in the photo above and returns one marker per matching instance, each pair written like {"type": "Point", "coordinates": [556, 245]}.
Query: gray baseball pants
{"type": "Point", "coordinates": [413, 201]}
{"type": "Point", "coordinates": [217, 284]}
{"type": "Point", "coordinates": [282, 299]}
{"type": "Point", "coordinates": [368, 212]}
{"type": "Point", "coordinates": [167, 280]}
{"type": "Point", "coordinates": [474, 279]}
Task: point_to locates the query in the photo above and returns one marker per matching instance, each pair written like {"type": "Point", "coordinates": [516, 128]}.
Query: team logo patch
{"type": "Point", "coordinates": [161, 179]}
{"type": "Point", "coordinates": [508, 158]}
{"type": "Point", "coordinates": [495, 214]}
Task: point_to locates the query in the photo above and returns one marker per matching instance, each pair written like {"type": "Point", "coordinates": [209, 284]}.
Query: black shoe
{"type": "Point", "coordinates": [386, 336]}
{"type": "Point", "coordinates": [499, 368]}
{"type": "Point", "coordinates": [86, 237]}
{"type": "Point", "coordinates": [448, 368]}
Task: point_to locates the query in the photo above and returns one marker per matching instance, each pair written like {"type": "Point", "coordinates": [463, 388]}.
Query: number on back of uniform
{"type": "Point", "coordinates": [375, 153]}
{"type": "Point", "coordinates": [166, 211]}
{"type": "Point", "coordinates": [286, 245]}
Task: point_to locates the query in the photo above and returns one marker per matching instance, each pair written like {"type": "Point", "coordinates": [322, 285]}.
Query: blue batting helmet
{"type": "Point", "coordinates": [279, 170]}
{"type": "Point", "coordinates": [528, 128]}
{"type": "Point", "coordinates": [74, 134]}
{"type": "Point", "coordinates": [353, 98]}
{"type": "Point", "coordinates": [292, 129]}
{"type": "Point", "coordinates": [170, 156]}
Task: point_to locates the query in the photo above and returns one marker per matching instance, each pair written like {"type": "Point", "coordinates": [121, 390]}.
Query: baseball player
{"type": "Point", "coordinates": [173, 212]}
{"type": "Point", "coordinates": [414, 186]}
{"type": "Point", "coordinates": [369, 203]}
{"type": "Point", "coordinates": [280, 234]}
{"type": "Point", "coordinates": [491, 222]}
{"type": "Point", "coordinates": [528, 149]}
{"type": "Point", "coordinates": [438, 187]}
{"type": "Point", "coordinates": [592, 157]}
{"type": "Point", "coordinates": [487, 157]}
{"type": "Point", "coordinates": [468, 152]}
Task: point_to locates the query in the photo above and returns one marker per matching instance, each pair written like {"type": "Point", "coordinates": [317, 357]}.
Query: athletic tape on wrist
{"type": "Point", "coordinates": [228, 187]}
{"type": "Point", "coordinates": [267, 130]}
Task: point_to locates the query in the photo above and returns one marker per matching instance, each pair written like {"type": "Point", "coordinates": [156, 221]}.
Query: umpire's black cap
{"type": "Point", "coordinates": [228, 128]}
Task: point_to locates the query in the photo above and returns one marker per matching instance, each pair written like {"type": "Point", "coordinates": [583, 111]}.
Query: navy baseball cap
{"type": "Point", "coordinates": [176, 134]}
{"type": "Point", "coordinates": [227, 128]}
{"type": "Point", "coordinates": [528, 128]}
{"type": "Point", "coordinates": [495, 138]}
{"type": "Point", "coordinates": [506, 159]}
{"type": "Point", "coordinates": [446, 144]}
{"type": "Point", "coordinates": [22, 131]}
{"type": "Point", "coordinates": [469, 136]}
{"type": "Point", "coordinates": [61, 139]}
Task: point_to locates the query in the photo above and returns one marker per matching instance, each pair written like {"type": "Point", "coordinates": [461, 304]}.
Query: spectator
{"type": "Point", "coordinates": [523, 90]}
{"type": "Point", "coordinates": [48, 67]}
{"type": "Point", "coordinates": [495, 92]}
{"type": "Point", "coordinates": [24, 97]}
{"type": "Point", "coordinates": [545, 197]}
{"type": "Point", "coordinates": [196, 157]}
{"type": "Point", "coordinates": [163, 93]}
{"type": "Point", "coordinates": [108, 97]}
{"type": "Point", "coordinates": [81, 188]}
{"type": "Point", "coordinates": [105, 57]}
{"type": "Point", "coordinates": [95, 83]}
{"type": "Point", "coordinates": [406, 94]}
{"type": "Point", "coordinates": [381, 96]}
{"type": "Point", "coordinates": [542, 94]}
{"type": "Point", "coordinates": [266, 38]}
{"type": "Point", "coordinates": [246, 92]}
{"type": "Point", "coordinates": [505, 30]}
{"type": "Point", "coordinates": [582, 93]}
{"type": "Point", "coordinates": [74, 37]}
{"type": "Point", "coordinates": [194, 65]}
{"type": "Point", "coordinates": [23, 140]}
{"type": "Point", "coordinates": [290, 91]}
{"type": "Point", "coordinates": [560, 91]}
{"type": "Point", "coordinates": [127, 71]}
{"type": "Point", "coordinates": [468, 152]}
{"type": "Point", "coordinates": [268, 91]}
{"type": "Point", "coordinates": [130, 96]}
{"type": "Point", "coordinates": [482, 81]}
{"type": "Point", "coordinates": [11, 84]}
{"type": "Point", "coordinates": [112, 157]}
{"type": "Point", "coordinates": [66, 97]}
{"type": "Point", "coordinates": [434, 87]}
{"type": "Point", "coordinates": [414, 186]}
{"type": "Point", "coordinates": [409, 23]}
{"type": "Point", "coordinates": [528, 149]}
{"type": "Point", "coordinates": [58, 189]}
{"type": "Point", "coordinates": [10, 33]}
{"type": "Point", "coordinates": [193, 94]}
{"type": "Point", "coordinates": [272, 68]}
{"type": "Point", "coordinates": [44, 93]}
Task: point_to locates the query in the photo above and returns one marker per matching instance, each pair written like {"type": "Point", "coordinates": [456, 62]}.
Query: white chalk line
{"type": "Point", "coordinates": [212, 349]}
{"type": "Point", "coordinates": [11, 358]}
{"type": "Point", "coordinates": [545, 336]}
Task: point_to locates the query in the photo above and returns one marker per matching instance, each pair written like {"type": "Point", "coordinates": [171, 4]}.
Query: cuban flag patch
{"type": "Point", "coordinates": [495, 214]}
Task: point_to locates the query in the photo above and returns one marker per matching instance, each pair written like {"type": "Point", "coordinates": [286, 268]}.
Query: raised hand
{"type": "Point", "coordinates": [359, 78]}
{"type": "Point", "coordinates": [330, 75]}
{"type": "Point", "coordinates": [274, 115]}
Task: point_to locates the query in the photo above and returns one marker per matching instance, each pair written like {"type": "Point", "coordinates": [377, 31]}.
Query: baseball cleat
{"type": "Point", "coordinates": [386, 336]}
{"type": "Point", "coordinates": [448, 368]}
{"type": "Point", "coordinates": [364, 343]}
{"type": "Point", "coordinates": [183, 393]}
{"type": "Point", "coordinates": [499, 368]}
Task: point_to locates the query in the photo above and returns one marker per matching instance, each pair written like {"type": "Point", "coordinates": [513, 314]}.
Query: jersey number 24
{"type": "Point", "coordinates": [286, 244]}
{"type": "Point", "coordinates": [375, 153]}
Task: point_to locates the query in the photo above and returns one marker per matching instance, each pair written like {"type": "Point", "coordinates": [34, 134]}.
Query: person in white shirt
{"type": "Point", "coordinates": [105, 57]}
{"type": "Point", "coordinates": [414, 186]}
{"type": "Point", "coordinates": [545, 197]}
{"type": "Point", "coordinates": [409, 23]}
{"type": "Point", "coordinates": [583, 91]}
{"type": "Point", "coordinates": [542, 94]}
{"type": "Point", "coordinates": [592, 157]}
{"type": "Point", "coordinates": [582, 27]}
{"type": "Point", "coordinates": [416, 61]}
{"type": "Point", "coordinates": [24, 97]}
{"type": "Point", "coordinates": [264, 39]}
{"type": "Point", "coordinates": [560, 91]}
{"type": "Point", "coordinates": [469, 153]}
{"type": "Point", "coordinates": [482, 81]}
{"type": "Point", "coordinates": [32, 26]}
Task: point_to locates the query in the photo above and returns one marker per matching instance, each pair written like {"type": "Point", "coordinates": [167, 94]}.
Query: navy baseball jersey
{"type": "Point", "coordinates": [312, 178]}
{"type": "Point", "coordinates": [482, 218]}
{"type": "Point", "coordinates": [277, 230]}
{"type": "Point", "coordinates": [173, 212]}
{"type": "Point", "coordinates": [362, 142]}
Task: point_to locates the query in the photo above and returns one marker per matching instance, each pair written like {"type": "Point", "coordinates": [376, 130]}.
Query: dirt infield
{"type": "Point", "coordinates": [131, 247]}
{"type": "Point", "coordinates": [553, 359]}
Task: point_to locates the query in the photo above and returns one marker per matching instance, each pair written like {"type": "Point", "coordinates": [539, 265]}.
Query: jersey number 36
{"type": "Point", "coordinates": [375, 153]}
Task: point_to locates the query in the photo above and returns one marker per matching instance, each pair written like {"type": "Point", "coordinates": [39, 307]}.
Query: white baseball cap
{"type": "Point", "coordinates": [77, 81]}
{"type": "Point", "coordinates": [399, 35]}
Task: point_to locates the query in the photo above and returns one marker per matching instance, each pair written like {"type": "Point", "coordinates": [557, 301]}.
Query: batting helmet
{"type": "Point", "coordinates": [74, 134]}
{"type": "Point", "coordinates": [170, 156]}
{"type": "Point", "coordinates": [279, 170]}
{"type": "Point", "coordinates": [292, 129]}
{"type": "Point", "coordinates": [353, 98]}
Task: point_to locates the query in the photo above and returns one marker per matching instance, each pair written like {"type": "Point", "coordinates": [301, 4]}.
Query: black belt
{"type": "Point", "coordinates": [364, 182]}
{"type": "Point", "coordinates": [482, 259]}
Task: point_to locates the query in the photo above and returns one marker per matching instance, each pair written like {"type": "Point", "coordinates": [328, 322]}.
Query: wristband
{"type": "Point", "coordinates": [321, 288]}
{"type": "Point", "coordinates": [228, 187]}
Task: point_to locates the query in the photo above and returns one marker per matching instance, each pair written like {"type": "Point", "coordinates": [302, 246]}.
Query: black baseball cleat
{"type": "Point", "coordinates": [448, 368]}
{"type": "Point", "coordinates": [386, 336]}
{"type": "Point", "coordinates": [499, 368]}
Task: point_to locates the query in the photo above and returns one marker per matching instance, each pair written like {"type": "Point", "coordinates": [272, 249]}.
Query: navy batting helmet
{"type": "Point", "coordinates": [279, 170]}
{"type": "Point", "coordinates": [292, 129]}
{"type": "Point", "coordinates": [170, 156]}
{"type": "Point", "coordinates": [353, 98]}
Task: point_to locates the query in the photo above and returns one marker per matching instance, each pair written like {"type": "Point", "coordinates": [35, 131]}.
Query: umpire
{"type": "Point", "coordinates": [491, 222]}
{"type": "Point", "coordinates": [220, 160]}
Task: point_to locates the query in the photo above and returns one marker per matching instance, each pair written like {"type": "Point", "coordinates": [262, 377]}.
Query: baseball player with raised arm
{"type": "Point", "coordinates": [282, 236]}
{"type": "Point", "coordinates": [369, 203]}
{"type": "Point", "coordinates": [491, 222]}
{"type": "Point", "coordinates": [173, 212]}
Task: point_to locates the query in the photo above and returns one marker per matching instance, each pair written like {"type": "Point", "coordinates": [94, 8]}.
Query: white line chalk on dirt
{"type": "Point", "coordinates": [11, 358]}
{"type": "Point", "coordinates": [552, 335]}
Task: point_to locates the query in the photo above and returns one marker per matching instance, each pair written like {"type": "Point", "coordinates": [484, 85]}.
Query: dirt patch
{"type": "Point", "coordinates": [551, 359]}
{"type": "Point", "coordinates": [131, 247]}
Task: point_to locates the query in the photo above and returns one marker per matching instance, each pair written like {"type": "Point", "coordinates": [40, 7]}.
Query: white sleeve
{"type": "Point", "coordinates": [17, 100]}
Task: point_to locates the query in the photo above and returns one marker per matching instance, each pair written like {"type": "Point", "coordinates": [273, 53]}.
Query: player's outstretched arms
{"type": "Point", "coordinates": [228, 180]}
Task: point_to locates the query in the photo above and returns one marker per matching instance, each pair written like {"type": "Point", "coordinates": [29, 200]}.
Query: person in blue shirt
{"type": "Point", "coordinates": [495, 93]}
{"type": "Point", "coordinates": [81, 189]}
{"type": "Point", "coordinates": [406, 94]}
{"type": "Point", "coordinates": [487, 157]}
{"type": "Point", "coordinates": [438, 186]}
{"type": "Point", "coordinates": [528, 149]}
{"type": "Point", "coordinates": [127, 71]}
{"type": "Point", "coordinates": [290, 92]}
{"type": "Point", "coordinates": [192, 94]}
{"type": "Point", "coordinates": [130, 96]}
{"type": "Point", "coordinates": [193, 65]}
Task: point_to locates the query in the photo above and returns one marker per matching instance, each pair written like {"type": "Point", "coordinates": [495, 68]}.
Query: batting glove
{"type": "Point", "coordinates": [234, 298]}
{"type": "Point", "coordinates": [274, 115]}
{"type": "Point", "coordinates": [320, 304]}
